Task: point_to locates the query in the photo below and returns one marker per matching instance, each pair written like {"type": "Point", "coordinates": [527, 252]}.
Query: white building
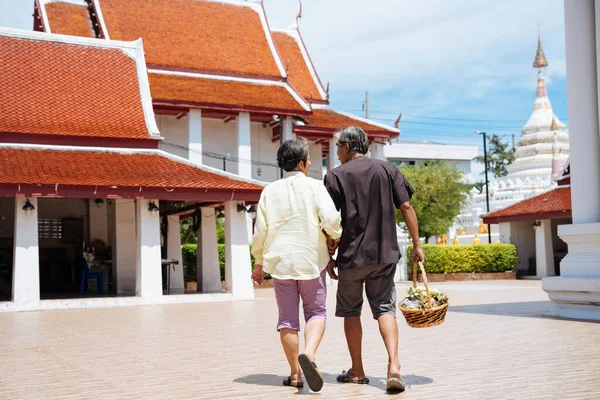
{"type": "Point", "coordinates": [542, 151]}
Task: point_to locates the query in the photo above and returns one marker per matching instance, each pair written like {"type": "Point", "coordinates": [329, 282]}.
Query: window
{"type": "Point", "coordinates": [50, 228]}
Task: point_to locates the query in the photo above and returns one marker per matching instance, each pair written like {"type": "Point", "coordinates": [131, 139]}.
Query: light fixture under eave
{"type": "Point", "coordinates": [220, 217]}
{"type": "Point", "coordinates": [153, 208]}
{"type": "Point", "coordinates": [241, 207]}
{"type": "Point", "coordinates": [28, 207]}
{"type": "Point", "coordinates": [99, 203]}
{"type": "Point", "coordinates": [252, 212]}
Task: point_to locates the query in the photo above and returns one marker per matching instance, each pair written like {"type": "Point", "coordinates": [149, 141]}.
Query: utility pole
{"type": "Point", "coordinates": [367, 104]}
{"type": "Point", "coordinates": [487, 188]}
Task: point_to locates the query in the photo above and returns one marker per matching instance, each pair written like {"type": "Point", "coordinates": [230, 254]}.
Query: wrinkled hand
{"type": "Point", "coordinates": [417, 254]}
{"type": "Point", "coordinates": [331, 269]}
{"type": "Point", "coordinates": [258, 275]}
{"type": "Point", "coordinates": [332, 245]}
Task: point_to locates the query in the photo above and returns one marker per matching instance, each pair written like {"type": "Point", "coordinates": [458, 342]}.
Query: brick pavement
{"type": "Point", "coordinates": [495, 344]}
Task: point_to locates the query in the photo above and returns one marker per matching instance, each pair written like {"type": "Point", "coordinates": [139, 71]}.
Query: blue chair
{"type": "Point", "coordinates": [86, 274]}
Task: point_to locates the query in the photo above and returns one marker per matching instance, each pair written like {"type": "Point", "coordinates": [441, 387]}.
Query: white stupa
{"type": "Point", "coordinates": [541, 152]}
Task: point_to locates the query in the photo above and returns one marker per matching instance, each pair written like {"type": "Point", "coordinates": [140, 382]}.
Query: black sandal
{"type": "Point", "coordinates": [311, 373]}
{"type": "Point", "coordinates": [346, 378]}
{"type": "Point", "coordinates": [289, 382]}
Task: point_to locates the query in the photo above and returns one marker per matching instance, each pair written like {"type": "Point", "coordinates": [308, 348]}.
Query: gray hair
{"type": "Point", "coordinates": [355, 137]}
{"type": "Point", "coordinates": [291, 153]}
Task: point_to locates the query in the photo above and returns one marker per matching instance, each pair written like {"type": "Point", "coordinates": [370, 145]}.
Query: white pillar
{"type": "Point", "coordinates": [288, 129]}
{"type": "Point", "coordinates": [544, 251]}
{"type": "Point", "coordinates": [194, 132]}
{"type": "Point", "coordinates": [332, 158]}
{"type": "Point", "coordinates": [577, 291]}
{"type": "Point", "coordinates": [98, 221]}
{"type": "Point", "coordinates": [207, 262]}
{"type": "Point", "coordinates": [174, 253]}
{"type": "Point", "coordinates": [26, 257]}
{"type": "Point", "coordinates": [377, 151]}
{"type": "Point", "coordinates": [244, 152]}
{"type": "Point", "coordinates": [125, 246]}
{"type": "Point", "coordinates": [148, 283]}
{"type": "Point", "coordinates": [316, 157]}
{"type": "Point", "coordinates": [237, 253]}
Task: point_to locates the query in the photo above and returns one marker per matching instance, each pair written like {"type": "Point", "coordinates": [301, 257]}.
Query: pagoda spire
{"type": "Point", "coordinates": [540, 60]}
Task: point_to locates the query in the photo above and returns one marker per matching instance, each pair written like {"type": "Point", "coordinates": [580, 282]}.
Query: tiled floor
{"type": "Point", "coordinates": [495, 344]}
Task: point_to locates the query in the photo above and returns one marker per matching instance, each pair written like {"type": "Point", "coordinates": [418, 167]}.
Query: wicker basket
{"type": "Point", "coordinates": [433, 316]}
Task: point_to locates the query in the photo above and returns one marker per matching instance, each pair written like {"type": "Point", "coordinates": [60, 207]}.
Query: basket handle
{"type": "Point", "coordinates": [420, 264]}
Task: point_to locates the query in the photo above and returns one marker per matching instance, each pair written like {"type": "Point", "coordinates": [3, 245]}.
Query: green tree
{"type": "Point", "coordinates": [438, 198]}
{"type": "Point", "coordinates": [499, 155]}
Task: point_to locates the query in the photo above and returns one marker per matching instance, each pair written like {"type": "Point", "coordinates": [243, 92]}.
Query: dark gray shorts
{"type": "Point", "coordinates": [380, 287]}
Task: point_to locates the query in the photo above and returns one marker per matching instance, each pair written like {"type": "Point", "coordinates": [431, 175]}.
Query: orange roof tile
{"type": "Point", "coordinates": [298, 71]}
{"type": "Point", "coordinates": [101, 168]}
{"type": "Point", "coordinates": [331, 120]}
{"type": "Point", "coordinates": [234, 94]}
{"type": "Point", "coordinates": [553, 204]}
{"type": "Point", "coordinates": [201, 35]}
{"type": "Point", "coordinates": [69, 19]}
{"type": "Point", "coordinates": [53, 88]}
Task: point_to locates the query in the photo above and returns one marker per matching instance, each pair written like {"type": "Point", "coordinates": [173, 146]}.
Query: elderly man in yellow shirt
{"type": "Point", "coordinates": [295, 218]}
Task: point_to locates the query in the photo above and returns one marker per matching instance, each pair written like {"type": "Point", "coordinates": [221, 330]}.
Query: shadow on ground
{"type": "Point", "coordinates": [378, 382]}
{"type": "Point", "coordinates": [531, 309]}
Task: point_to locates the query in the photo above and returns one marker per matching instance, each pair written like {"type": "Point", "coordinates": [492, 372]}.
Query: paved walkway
{"type": "Point", "coordinates": [495, 344]}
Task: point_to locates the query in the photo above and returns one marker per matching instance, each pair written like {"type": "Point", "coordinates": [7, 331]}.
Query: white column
{"type": "Point", "coordinates": [332, 158]}
{"type": "Point", "coordinates": [237, 253]}
{"type": "Point", "coordinates": [544, 251]}
{"type": "Point", "coordinates": [125, 246]}
{"type": "Point", "coordinates": [244, 152]}
{"type": "Point", "coordinates": [207, 262]}
{"type": "Point", "coordinates": [26, 257]}
{"type": "Point", "coordinates": [316, 157]}
{"type": "Point", "coordinates": [148, 267]}
{"type": "Point", "coordinates": [377, 151]}
{"type": "Point", "coordinates": [577, 291]}
{"type": "Point", "coordinates": [288, 129]}
{"type": "Point", "coordinates": [174, 253]}
{"type": "Point", "coordinates": [194, 127]}
{"type": "Point", "coordinates": [98, 221]}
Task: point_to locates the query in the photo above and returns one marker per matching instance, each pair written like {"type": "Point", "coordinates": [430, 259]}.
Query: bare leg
{"type": "Point", "coordinates": [353, 330]}
{"type": "Point", "coordinates": [313, 333]}
{"type": "Point", "coordinates": [290, 343]}
{"type": "Point", "coordinates": [389, 332]}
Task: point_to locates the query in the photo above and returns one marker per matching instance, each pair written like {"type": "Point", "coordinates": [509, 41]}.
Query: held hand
{"type": "Point", "coordinates": [417, 254]}
{"type": "Point", "coordinates": [258, 275]}
{"type": "Point", "coordinates": [331, 270]}
{"type": "Point", "coordinates": [332, 245]}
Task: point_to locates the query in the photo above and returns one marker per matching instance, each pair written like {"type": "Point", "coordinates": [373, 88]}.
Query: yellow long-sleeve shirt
{"type": "Point", "coordinates": [288, 236]}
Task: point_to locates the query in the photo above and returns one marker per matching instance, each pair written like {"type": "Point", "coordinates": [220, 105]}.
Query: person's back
{"type": "Point", "coordinates": [363, 189]}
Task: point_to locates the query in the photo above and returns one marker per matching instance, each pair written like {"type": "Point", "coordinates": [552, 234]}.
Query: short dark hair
{"type": "Point", "coordinates": [355, 137]}
{"type": "Point", "coordinates": [291, 153]}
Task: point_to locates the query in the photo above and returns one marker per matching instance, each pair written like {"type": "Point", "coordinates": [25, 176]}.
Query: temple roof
{"type": "Point", "coordinates": [68, 17]}
{"type": "Point", "coordinates": [57, 171]}
{"type": "Point", "coordinates": [553, 204]}
{"type": "Point", "coordinates": [326, 120]}
{"type": "Point", "coordinates": [203, 35]}
{"type": "Point", "coordinates": [301, 72]}
{"type": "Point", "coordinates": [73, 87]}
{"type": "Point", "coordinates": [225, 93]}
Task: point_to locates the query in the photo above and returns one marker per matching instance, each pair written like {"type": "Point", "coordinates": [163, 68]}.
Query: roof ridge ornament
{"type": "Point", "coordinates": [327, 92]}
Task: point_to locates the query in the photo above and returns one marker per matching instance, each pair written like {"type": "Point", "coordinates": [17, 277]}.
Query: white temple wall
{"type": "Point", "coordinates": [264, 151]}
{"type": "Point", "coordinates": [175, 133]}
{"type": "Point", "coordinates": [522, 235]}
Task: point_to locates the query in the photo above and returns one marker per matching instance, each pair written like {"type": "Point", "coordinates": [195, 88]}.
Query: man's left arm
{"type": "Point", "coordinates": [403, 192]}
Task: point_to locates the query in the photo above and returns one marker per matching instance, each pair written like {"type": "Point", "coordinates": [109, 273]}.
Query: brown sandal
{"type": "Point", "coordinates": [311, 373]}
{"type": "Point", "coordinates": [289, 382]}
{"type": "Point", "coordinates": [395, 385]}
{"type": "Point", "coordinates": [346, 378]}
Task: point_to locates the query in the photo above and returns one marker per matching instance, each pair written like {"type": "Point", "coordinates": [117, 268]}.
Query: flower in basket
{"type": "Point", "coordinates": [89, 257]}
{"type": "Point", "coordinates": [417, 299]}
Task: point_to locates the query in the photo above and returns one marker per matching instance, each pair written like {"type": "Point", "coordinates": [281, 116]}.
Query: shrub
{"type": "Point", "coordinates": [190, 252]}
{"type": "Point", "coordinates": [440, 259]}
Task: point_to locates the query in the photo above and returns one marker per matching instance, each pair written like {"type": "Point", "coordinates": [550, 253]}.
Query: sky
{"type": "Point", "coordinates": [450, 67]}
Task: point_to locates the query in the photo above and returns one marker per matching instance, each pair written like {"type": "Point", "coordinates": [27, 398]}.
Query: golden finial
{"type": "Point", "coordinates": [476, 239]}
{"type": "Point", "coordinates": [299, 12]}
{"type": "Point", "coordinates": [456, 241]}
{"type": "Point", "coordinates": [462, 231]}
{"type": "Point", "coordinates": [444, 240]}
{"type": "Point", "coordinates": [553, 125]}
{"type": "Point", "coordinates": [483, 228]}
{"type": "Point", "coordinates": [540, 58]}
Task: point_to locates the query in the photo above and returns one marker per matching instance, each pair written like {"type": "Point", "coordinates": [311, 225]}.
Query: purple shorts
{"type": "Point", "coordinates": [288, 293]}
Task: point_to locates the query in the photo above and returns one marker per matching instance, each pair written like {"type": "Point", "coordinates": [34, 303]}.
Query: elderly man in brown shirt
{"type": "Point", "coordinates": [367, 192]}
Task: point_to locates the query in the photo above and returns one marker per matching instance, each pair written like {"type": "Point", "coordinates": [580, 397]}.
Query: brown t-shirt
{"type": "Point", "coordinates": [367, 191]}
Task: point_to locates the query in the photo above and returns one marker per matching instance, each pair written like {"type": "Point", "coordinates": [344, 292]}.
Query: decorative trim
{"type": "Point", "coordinates": [366, 121]}
{"type": "Point", "coordinates": [96, 5]}
{"type": "Point", "coordinates": [216, 73]}
{"type": "Point", "coordinates": [44, 15]}
{"type": "Point", "coordinates": [76, 141]}
{"type": "Point", "coordinates": [297, 36]}
{"type": "Point", "coordinates": [144, 86]}
{"type": "Point", "coordinates": [67, 39]}
{"type": "Point", "coordinates": [227, 108]}
{"type": "Point", "coordinates": [71, 2]}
